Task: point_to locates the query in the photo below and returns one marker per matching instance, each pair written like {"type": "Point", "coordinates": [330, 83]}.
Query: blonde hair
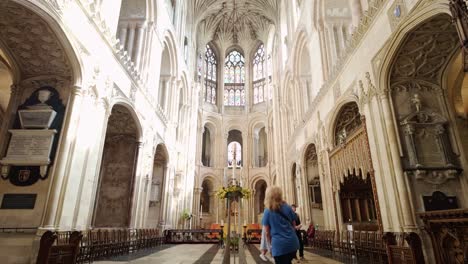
{"type": "Point", "coordinates": [273, 198]}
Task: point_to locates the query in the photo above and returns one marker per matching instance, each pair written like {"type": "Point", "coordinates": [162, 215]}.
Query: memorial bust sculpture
{"type": "Point", "coordinates": [43, 95]}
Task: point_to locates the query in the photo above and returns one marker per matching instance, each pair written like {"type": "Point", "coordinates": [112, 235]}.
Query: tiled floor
{"type": "Point", "coordinates": [200, 254]}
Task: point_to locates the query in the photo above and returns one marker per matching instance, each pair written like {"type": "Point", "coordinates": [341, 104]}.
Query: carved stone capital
{"type": "Point", "coordinates": [435, 177]}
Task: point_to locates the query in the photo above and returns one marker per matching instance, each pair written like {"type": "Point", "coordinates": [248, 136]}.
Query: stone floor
{"type": "Point", "coordinates": [200, 254]}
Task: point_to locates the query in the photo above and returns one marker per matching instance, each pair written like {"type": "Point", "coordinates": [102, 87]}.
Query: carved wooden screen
{"type": "Point", "coordinates": [352, 171]}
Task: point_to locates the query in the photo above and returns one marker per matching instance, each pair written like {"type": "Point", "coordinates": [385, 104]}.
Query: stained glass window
{"type": "Point", "coordinates": [234, 79]}
{"type": "Point", "coordinates": [210, 75]}
{"type": "Point", "coordinates": [258, 65]}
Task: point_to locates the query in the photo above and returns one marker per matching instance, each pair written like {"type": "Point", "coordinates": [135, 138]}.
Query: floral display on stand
{"type": "Point", "coordinates": [233, 191]}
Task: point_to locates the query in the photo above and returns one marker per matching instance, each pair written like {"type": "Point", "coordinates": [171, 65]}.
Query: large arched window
{"type": "Point", "coordinates": [258, 63]}
{"type": "Point", "coordinates": [210, 76]}
{"type": "Point", "coordinates": [234, 79]}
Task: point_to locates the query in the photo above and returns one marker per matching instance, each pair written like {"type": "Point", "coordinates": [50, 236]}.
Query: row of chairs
{"type": "Point", "coordinates": [364, 246]}
{"type": "Point", "coordinates": [104, 243]}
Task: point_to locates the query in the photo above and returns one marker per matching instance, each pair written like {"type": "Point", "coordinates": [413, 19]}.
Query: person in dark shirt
{"type": "Point", "coordinates": [298, 233]}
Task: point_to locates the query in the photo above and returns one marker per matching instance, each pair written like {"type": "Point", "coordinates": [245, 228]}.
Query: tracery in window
{"type": "Point", "coordinates": [210, 67]}
{"type": "Point", "coordinates": [259, 84]}
{"type": "Point", "coordinates": [234, 79]}
{"type": "Point", "coordinates": [348, 120]}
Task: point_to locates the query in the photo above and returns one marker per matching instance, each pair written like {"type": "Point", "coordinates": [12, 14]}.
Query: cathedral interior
{"type": "Point", "coordinates": [121, 121]}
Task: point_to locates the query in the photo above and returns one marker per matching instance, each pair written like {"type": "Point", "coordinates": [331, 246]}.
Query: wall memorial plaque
{"type": "Point", "coordinates": [18, 201]}
{"type": "Point", "coordinates": [29, 147]}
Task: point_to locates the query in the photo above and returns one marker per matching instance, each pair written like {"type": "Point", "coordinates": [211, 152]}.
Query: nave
{"type": "Point", "coordinates": [202, 254]}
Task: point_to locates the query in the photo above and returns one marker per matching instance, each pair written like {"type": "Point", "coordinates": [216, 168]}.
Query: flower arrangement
{"type": "Point", "coordinates": [233, 191]}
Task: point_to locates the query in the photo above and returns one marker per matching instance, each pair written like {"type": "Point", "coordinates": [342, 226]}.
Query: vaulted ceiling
{"type": "Point", "coordinates": [234, 21]}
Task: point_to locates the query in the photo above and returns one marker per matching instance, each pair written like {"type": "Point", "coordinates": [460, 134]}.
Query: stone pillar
{"type": "Point", "coordinates": [325, 52]}
{"type": "Point", "coordinates": [331, 44]}
{"type": "Point", "coordinates": [220, 92]}
{"type": "Point", "coordinates": [59, 177]}
{"type": "Point", "coordinates": [140, 32]}
{"type": "Point", "coordinates": [136, 219]}
{"type": "Point", "coordinates": [131, 40]}
{"type": "Point", "coordinates": [341, 37]}
{"type": "Point", "coordinates": [196, 206]}
{"type": "Point", "coordinates": [356, 11]}
{"type": "Point", "coordinates": [123, 34]}
{"type": "Point", "coordinates": [9, 117]}
{"type": "Point", "coordinates": [402, 188]}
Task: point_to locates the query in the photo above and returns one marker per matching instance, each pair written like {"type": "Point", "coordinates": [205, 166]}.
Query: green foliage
{"type": "Point", "coordinates": [233, 191]}
{"type": "Point", "coordinates": [186, 215]}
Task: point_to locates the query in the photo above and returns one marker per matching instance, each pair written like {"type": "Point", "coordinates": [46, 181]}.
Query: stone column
{"type": "Point", "coordinates": [196, 206]}
{"type": "Point", "coordinates": [137, 198]}
{"type": "Point", "coordinates": [140, 31]}
{"type": "Point", "coordinates": [123, 34]}
{"type": "Point", "coordinates": [356, 11]}
{"type": "Point", "coordinates": [220, 89]}
{"type": "Point", "coordinates": [131, 40]}
{"type": "Point", "coordinates": [9, 117]}
{"type": "Point", "coordinates": [58, 176]}
{"type": "Point", "coordinates": [341, 37]}
{"type": "Point", "coordinates": [324, 49]}
{"type": "Point", "coordinates": [402, 188]}
{"type": "Point", "coordinates": [331, 44]}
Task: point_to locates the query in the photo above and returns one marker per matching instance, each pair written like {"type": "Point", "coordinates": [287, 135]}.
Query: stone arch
{"type": "Point", "coordinates": [115, 193]}
{"type": "Point", "coordinates": [159, 187]}
{"type": "Point", "coordinates": [314, 184]}
{"type": "Point", "coordinates": [71, 63]}
{"type": "Point", "coordinates": [36, 54]}
{"type": "Point", "coordinates": [235, 135]}
{"type": "Point", "coordinates": [259, 187]}
{"type": "Point", "coordinates": [233, 48]}
{"type": "Point", "coordinates": [334, 115]}
{"type": "Point", "coordinates": [123, 102]}
{"type": "Point", "coordinates": [171, 43]}
{"type": "Point", "coordinates": [206, 196]}
{"type": "Point", "coordinates": [419, 103]}
{"type": "Point", "coordinates": [418, 17]}
{"type": "Point", "coordinates": [208, 143]}
{"type": "Point", "coordinates": [206, 201]}
{"type": "Point", "coordinates": [302, 67]}
{"type": "Point", "coordinates": [260, 144]}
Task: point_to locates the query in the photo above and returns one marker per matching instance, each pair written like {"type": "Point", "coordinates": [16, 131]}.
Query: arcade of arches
{"type": "Point", "coordinates": [136, 116]}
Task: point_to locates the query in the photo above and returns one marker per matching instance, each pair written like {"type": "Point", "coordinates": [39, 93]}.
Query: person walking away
{"type": "Point", "coordinates": [279, 222]}
{"type": "Point", "coordinates": [298, 233]}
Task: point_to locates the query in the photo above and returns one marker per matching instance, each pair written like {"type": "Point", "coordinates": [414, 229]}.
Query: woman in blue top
{"type": "Point", "coordinates": [278, 219]}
